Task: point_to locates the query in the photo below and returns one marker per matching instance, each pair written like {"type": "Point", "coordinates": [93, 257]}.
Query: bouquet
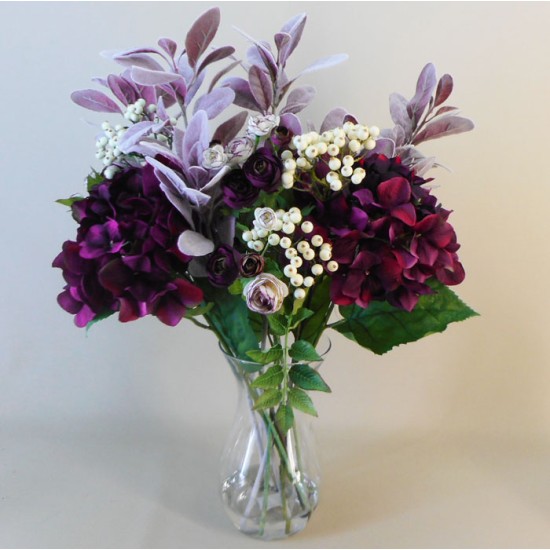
{"type": "Point", "coordinates": [257, 226]}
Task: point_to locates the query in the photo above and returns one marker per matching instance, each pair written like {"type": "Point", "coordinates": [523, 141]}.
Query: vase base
{"type": "Point", "coordinates": [271, 515]}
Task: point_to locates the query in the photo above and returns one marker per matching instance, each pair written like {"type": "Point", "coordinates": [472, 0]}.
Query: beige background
{"type": "Point", "coordinates": [112, 439]}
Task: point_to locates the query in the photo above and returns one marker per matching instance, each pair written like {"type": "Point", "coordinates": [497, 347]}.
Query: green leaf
{"type": "Point", "coordinates": [70, 201]}
{"type": "Point", "coordinates": [284, 418]}
{"type": "Point", "coordinates": [236, 288]}
{"type": "Point", "coordinates": [271, 266]}
{"type": "Point", "coordinates": [302, 314]}
{"type": "Point", "coordinates": [319, 302]}
{"type": "Point", "coordinates": [276, 325]}
{"type": "Point", "coordinates": [95, 178]}
{"type": "Point", "coordinates": [199, 310]}
{"type": "Point", "coordinates": [271, 378]}
{"type": "Point", "coordinates": [97, 319]}
{"type": "Point", "coordinates": [303, 351]}
{"type": "Point", "coordinates": [307, 378]}
{"type": "Point", "coordinates": [380, 327]}
{"type": "Point", "coordinates": [265, 357]}
{"type": "Point", "coordinates": [269, 398]}
{"type": "Point", "coordinates": [300, 400]}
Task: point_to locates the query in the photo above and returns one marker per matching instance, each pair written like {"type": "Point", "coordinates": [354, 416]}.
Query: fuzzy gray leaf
{"type": "Point", "coordinates": [299, 99]}
{"type": "Point", "coordinates": [399, 114]}
{"type": "Point", "coordinates": [444, 89]}
{"type": "Point", "coordinates": [445, 126]}
{"type": "Point", "coordinates": [334, 119]}
{"type": "Point", "coordinates": [230, 128]}
{"type": "Point", "coordinates": [194, 244]}
{"type": "Point", "coordinates": [216, 55]}
{"type": "Point", "coordinates": [215, 102]}
{"type": "Point", "coordinates": [201, 34]}
{"type": "Point", "coordinates": [95, 101]}
{"type": "Point", "coordinates": [261, 87]}
{"type": "Point", "coordinates": [424, 88]}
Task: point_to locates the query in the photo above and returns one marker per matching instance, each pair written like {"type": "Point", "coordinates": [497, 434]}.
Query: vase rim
{"type": "Point", "coordinates": [323, 347]}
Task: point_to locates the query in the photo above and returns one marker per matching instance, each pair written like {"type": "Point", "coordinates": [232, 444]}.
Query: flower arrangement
{"type": "Point", "coordinates": [257, 227]}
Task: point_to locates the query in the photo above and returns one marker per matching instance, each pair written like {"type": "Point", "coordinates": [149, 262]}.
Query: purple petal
{"type": "Point", "coordinates": [393, 192]}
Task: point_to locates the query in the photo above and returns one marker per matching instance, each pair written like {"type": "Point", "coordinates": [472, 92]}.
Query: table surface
{"type": "Point", "coordinates": [110, 484]}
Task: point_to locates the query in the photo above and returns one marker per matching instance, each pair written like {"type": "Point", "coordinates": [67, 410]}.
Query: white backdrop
{"type": "Point", "coordinates": [112, 438]}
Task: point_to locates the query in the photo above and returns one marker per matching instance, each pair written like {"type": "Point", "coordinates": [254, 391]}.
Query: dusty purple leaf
{"type": "Point", "coordinates": [243, 94]}
{"type": "Point", "coordinates": [146, 77]}
{"type": "Point", "coordinates": [134, 134]}
{"type": "Point", "coordinates": [138, 60]}
{"type": "Point", "coordinates": [384, 146]}
{"type": "Point", "coordinates": [95, 101]}
{"type": "Point", "coordinates": [261, 87]}
{"type": "Point", "coordinates": [444, 89]}
{"type": "Point", "coordinates": [324, 63]}
{"type": "Point", "coordinates": [100, 81]}
{"type": "Point", "coordinates": [424, 88]}
{"type": "Point", "coordinates": [194, 87]}
{"type": "Point", "coordinates": [282, 40]}
{"type": "Point", "coordinates": [196, 133]}
{"type": "Point", "coordinates": [183, 206]}
{"type": "Point", "coordinates": [299, 99]}
{"type": "Point", "coordinates": [201, 34]}
{"type": "Point", "coordinates": [194, 244]}
{"type": "Point", "coordinates": [124, 91]}
{"type": "Point", "coordinates": [215, 102]}
{"type": "Point", "coordinates": [225, 229]}
{"type": "Point", "coordinates": [444, 110]}
{"type": "Point", "coordinates": [222, 73]}
{"type": "Point", "coordinates": [175, 182]}
{"type": "Point", "coordinates": [445, 126]}
{"type": "Point", "coordinates": [168, 45]}
{"type": "Point", "coordinates": [334, 119]}
{"type": "Point", "coordinates": [398, 112]}
{"type": "Point", "coordinates": [216, 55]}
{"type": "Point", "coordinates": [214, 181]}
{"type": "Point", "coordinates": [422, 166]}
{"type": "Point", "coordinates": [263, 58]}
{"type": "Point", "coordinates": [230, 128]}
{"type": "Point", "coordinates": [185, 69]}
{"type": "Point", "coordinates": [294, 28]}
{"type": "Point", "coordinates": [197, 176]}
{"type": "Point", "coordinates": [292, 122]}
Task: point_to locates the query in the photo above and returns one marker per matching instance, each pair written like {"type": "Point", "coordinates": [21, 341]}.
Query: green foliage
{"type": "Point", "coordinates": [270, 398]}
{"type": "Point", "coordinates": [380, 327]}
{"type": "Point", "coordinates": [284, 418]}
{"type": "Point", "coordinates": [97, 319]}
{"type": "Point", "coordinates": [301, 350]}
{"type": "Point", "coordinates": [276, 324]}
{"type": "Point", "coordinates": [319, 302]}
{"type": "Point", "coordinates": [203, 309]}
{"type": "Point", "coordinates": [265, 357]}
{"type": "Point", "coordinates": [95, 178]}
{"type": "Point", "coordinates": [271, 378]}
{"type": "Point", "coordinates": [236, 288]}
{"type": "Point", "coordinates": [70, 201]}
{"type": "Point", "coordinates": [300, 400]}
{"type": "Point", "coordinates": [301, 315]}
{"type": "Point", "coordinates": [307, 378]}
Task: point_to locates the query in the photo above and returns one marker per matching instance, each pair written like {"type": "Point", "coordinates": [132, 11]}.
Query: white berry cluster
{"type": "Point", "coordinates": [107, 147]}
{"type": "Point", "coordinates": [307, 257]}
{"type": "Point", "coordinates": [339, 147]}
{"type": "Point", "coordinates": [136, 112]}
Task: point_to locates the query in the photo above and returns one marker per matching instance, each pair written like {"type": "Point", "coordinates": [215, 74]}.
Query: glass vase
{"type": "Point", "coordinates": [269, 478]}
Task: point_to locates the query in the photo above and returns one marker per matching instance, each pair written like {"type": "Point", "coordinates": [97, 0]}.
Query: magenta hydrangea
{"type": "Point", "coordinates": [125, 257]}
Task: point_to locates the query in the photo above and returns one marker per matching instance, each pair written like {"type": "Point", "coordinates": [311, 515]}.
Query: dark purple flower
{"type": "Point", "coordinates": [251, 265]}
{"type": "Point", "coordinates": [125, 257]}
{"type": "Point", "coordinates": [237, 191]}
{"type": "Point", "coordinates": [263, 170]}
{"type": "Point", "coordinates": [222, 266]}
{"type": "Point", "coordinates": [281, 136]}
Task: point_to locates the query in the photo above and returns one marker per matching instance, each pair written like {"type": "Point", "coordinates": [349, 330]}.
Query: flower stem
{"type": "Point", "coordinates": [267, 475]}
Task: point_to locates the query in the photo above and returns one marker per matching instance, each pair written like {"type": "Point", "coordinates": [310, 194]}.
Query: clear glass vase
{"type": "Point", "coordinates": [269, 478]}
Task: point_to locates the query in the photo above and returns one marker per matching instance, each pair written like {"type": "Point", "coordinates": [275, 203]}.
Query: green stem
{"type": "Point", "coordinates": [284, 504]}
{"type": "Point", "coordinates": [267, 475]}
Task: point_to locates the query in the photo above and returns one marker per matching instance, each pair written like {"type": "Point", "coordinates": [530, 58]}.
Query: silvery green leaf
{"type": "Point", "coordinates": [147, 77]}
{"type": "Point", "coordinates": [445, 126]}
{"type": "Point", "coordinates": [334, 119]}
{"type": "Point", "coordinates": [194, 244]}
{"type": "Point", "coordinates": [299, 99]}
{"type": "Point", "coordinates": [230, 128]}
{"type": "Point", "coordinates": [95, 101]}
{"type": "Point", "coordinates": [201, 34]}
{"type": "Point", "coordinates": [424, 88]}
{"type": "Point", "coordinates": [261, 87]}
{"type": "Point", "coordinates": [215, 102]}
{"type": "Point", "coordinates": [216, 55]}
{"type": "Point", "coordinates": [444, 89]}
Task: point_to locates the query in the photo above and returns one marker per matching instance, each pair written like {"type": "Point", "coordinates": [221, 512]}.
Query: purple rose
{"type": "Point", "coordinates": [238, 192]}
{"type": "Point", "coordinates": [281, 136]}
{"type": "Point", "coordinates": [263, 170]}
{"type": "Point", "coordinates": [222, 267]}
{"type": "Point", "coordinates": [251, 265]}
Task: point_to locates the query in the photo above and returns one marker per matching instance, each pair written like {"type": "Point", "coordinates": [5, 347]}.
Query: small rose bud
{"type": "Point", "coordinates": [251, 265]}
